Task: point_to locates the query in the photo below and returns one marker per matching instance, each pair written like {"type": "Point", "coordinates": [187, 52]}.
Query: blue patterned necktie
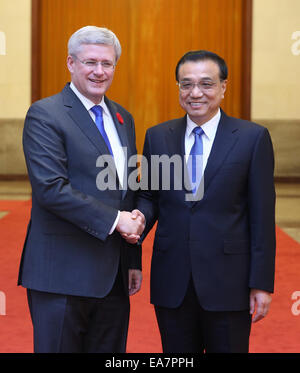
{"type": "Point", "coordinates": [97, 110]}
{"type": "Point", "coordinates": [195, 161]}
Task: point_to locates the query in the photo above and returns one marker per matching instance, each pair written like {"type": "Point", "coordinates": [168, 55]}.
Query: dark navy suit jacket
{"type": "Point", "coordinates": [226, 241]}
{"type": "Point", "coordinates": [68, 248]}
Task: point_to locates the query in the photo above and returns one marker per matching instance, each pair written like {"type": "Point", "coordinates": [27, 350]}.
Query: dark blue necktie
{"type": "Point", "coordinates": [195, 161]}
{"type": "Point", "coordinates": [97, 110]}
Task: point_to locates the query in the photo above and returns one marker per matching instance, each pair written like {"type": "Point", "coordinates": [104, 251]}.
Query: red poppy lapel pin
{"type": "Point", "coordinates": [120, 118]}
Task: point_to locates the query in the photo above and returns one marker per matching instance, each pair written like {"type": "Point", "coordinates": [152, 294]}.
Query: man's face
{"type": "Point", "coordinates": [92, 81]}
{"type": "Point", "coordinates": [200, 101]}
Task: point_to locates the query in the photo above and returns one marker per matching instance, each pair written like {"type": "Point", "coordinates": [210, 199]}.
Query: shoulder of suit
{"type": "Point", "coordinates": [165, 126]}
{"type": "Point", "coordinates": [48, 102]}
{"type": "Point", "coordinates": [245, 125]}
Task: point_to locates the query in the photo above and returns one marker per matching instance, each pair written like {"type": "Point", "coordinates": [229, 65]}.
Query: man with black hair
{"type": "Point", "coordinates": [212, 268]}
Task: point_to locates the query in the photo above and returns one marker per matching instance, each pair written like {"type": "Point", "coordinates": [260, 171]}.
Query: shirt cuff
{"type": "Point", "coordinates": [115, 224]}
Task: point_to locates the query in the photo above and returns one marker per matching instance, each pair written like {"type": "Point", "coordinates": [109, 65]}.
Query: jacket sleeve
{"type": "Point", "coordinates": [147, 201]}
{"type": "Point", "coordinates": [47, 164]}
{"type": "Point", "coordinates": [261, 199]}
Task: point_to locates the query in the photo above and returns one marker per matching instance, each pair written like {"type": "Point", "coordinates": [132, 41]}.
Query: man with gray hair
{"type": "Point", "coordinates": [78, 270]}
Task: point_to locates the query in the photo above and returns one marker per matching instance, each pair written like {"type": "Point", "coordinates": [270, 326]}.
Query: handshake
{"type": "Point", "coordinates": [131, 225]}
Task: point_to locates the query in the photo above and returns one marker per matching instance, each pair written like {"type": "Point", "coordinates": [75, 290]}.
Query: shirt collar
{"type": "Point", "coordinates": [209, 128]}
{"type": "Point", "coordinates": [87, 103]}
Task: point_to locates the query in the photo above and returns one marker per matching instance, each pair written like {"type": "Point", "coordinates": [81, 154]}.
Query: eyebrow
{"type": "Point", "coordinates": [201, 80]}
{"type": "Point", "coordinates": [95, 59]}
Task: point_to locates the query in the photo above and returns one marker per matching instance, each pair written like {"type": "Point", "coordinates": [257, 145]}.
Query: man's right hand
{"type": "Point", "coordinates": [131, 224]}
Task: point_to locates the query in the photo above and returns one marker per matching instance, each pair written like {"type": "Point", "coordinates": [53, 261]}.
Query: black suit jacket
{"type": "Point", "coordinates": [226, 241]}
{"type": "Point", "coordinates": [68, 248]}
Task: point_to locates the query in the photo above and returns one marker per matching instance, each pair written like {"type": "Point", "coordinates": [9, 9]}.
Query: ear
{"type": "Point", "coordinates": [223, 86]}
{"type": "Point", "coordinates": [70, 63]}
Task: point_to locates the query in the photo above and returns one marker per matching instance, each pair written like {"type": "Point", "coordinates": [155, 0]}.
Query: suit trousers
{"type": "Point", "coordinates": [70, 324]}
{"type": "Point", "coordinates": [191, 329]}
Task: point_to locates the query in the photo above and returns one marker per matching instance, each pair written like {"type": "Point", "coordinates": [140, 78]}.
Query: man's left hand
{"type": "Point", "coordinates": [260, 301]}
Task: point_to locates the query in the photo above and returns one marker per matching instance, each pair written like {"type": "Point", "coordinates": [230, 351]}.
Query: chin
{"type": "Point", "coordinates": [197, 113]}
{"type": "Point", "coordinates": [96, 96]}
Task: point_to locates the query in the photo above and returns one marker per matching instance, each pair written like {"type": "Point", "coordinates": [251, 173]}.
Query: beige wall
{"type": "Point", "coordinates": [276, 78]}
{"type": "Point", "coordinates": [276, 70]}
{"type": "Point", "coordinates": [15, 81]}
{"type": "Point", "coordinates": [15, 22]}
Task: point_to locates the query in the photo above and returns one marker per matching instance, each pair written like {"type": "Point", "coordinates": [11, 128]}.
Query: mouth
{"type": "Point", "coordinates": [196, 105]}
{"type": "Point", "coordinates": [96, 81]}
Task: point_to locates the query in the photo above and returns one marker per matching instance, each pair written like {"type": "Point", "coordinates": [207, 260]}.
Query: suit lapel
{"type": "Point", "coordinates": [225, 139]}
{"type": "Point", "coordinates": [175, 140]}
{"type": "Point", "coordinates": [175, 137]}
{"type": "Point", "coordinates": [82, 118]}
{"type": "Point", "coordinates": [121, 128]}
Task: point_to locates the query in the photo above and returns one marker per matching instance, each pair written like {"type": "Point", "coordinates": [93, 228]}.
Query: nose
{"type": "Point", "coordinates": [196, 91]}
{"type": "Point", "coordinates": [98, 70]}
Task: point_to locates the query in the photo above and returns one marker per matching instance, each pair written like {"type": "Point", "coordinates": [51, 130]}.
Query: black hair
{"type": "Point", "coordinates": [202, 55]}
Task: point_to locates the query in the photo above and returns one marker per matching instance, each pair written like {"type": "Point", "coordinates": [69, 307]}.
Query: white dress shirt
{"type": "Point", "coordinates": [112, 134]}
{"type": "Point", "coordinates": [209, 129]}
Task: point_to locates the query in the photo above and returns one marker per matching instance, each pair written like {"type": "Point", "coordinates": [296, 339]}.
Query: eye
{"type": "Point", "coordinates": [107, 64]}
{"type": "Point", "coordinates": [90, 63]}
{"type": "Point", "coordinates": [207, 85]}
{"type": "Point", "coordinates": [186, 85]}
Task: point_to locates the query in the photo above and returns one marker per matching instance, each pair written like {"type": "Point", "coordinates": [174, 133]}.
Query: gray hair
{"type": "Point", "coordinates": [93, 35]}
